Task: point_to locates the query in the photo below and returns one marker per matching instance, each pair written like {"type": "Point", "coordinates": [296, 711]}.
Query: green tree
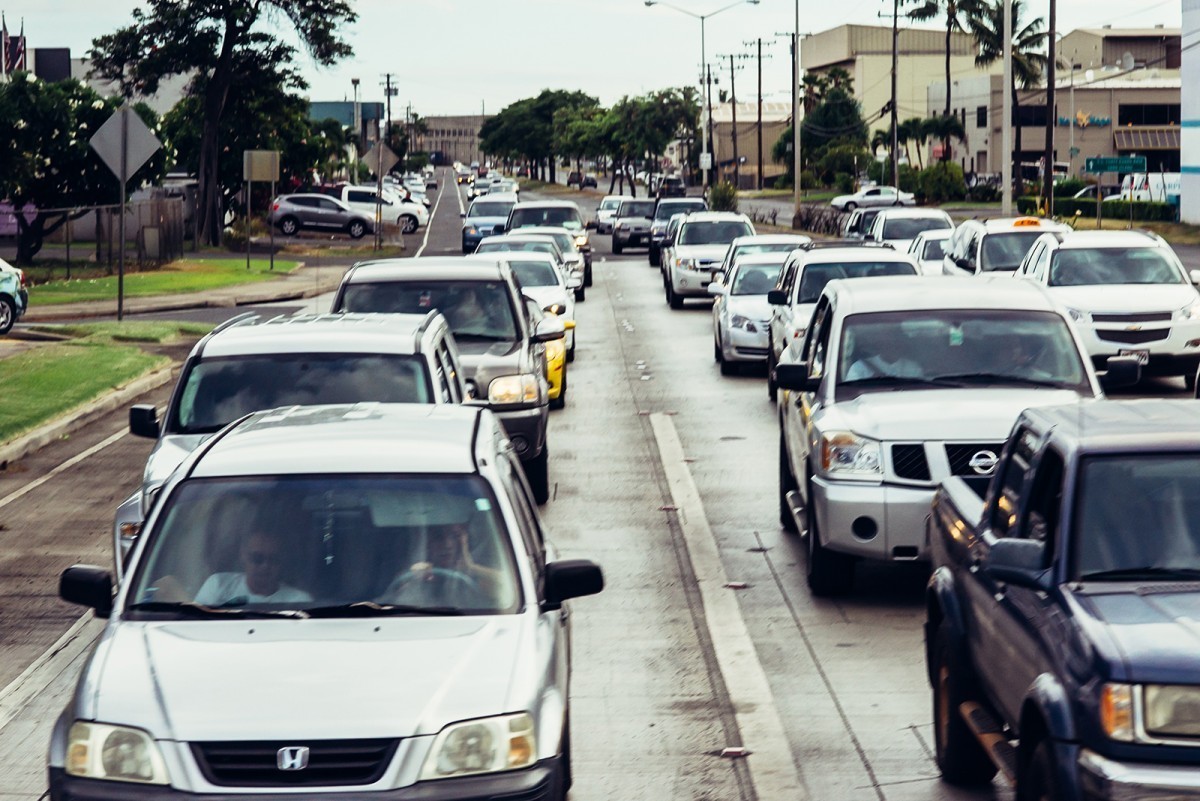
{"type": "Point", "coordinates": [958, 14]}
{"type": "Point", "coordinates": [48, 167]}
{"type": "Point", "coordinates": [945, 129]}
{"type": "Point", "coordinates": [206, 38]}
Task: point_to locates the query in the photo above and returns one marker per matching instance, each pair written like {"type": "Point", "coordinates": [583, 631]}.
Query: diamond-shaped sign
{"type": "Point", "coordinates": [139, 143]}
{"type": "Point", "coordinates": [372, 159]}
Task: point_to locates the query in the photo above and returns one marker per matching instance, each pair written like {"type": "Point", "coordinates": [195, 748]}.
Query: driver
{"type": "Point", "coordinates": [471, 313]}
{"type": "Point", "coordinates": [448, 576]}
{"type": "Point", "coordinates": [261, 555]}
{"type": "Point", "coordinates": [880, 353]}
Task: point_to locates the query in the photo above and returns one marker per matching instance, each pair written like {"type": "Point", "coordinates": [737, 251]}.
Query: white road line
{"type": "Point", "coordinates": [772, 768]}
{"type": "Point", "coordinates": [432, 214]}
{"type": "Point", "coordinates": [74, 460]}
{"type": "Point", "coordinates": [47, 667]}
{"type": "Point", "coordinates": [461, 208]}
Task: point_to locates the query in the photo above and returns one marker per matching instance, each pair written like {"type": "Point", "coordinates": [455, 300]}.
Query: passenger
{"type": "Point", "coordinates": [261, 556]}
{"type": "Point", "coordinates": [448, 576]}
{"type": "Point", "coordinates": [879, 353]}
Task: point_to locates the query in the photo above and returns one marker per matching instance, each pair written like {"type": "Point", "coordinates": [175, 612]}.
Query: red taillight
{"type": "Point", "coordinates": [21, 277]}
{"type": "Point", "coordinates": [275, 207]}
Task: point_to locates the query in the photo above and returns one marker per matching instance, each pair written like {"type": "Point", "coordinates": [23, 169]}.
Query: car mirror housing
{"type": "Point", "coordinates": [795, 377]}
{"type": "Point", "coordinates": [777, 297]}
{"type": "Point", "coordinates": [1120, 371]}
{"type": "Point", "coordinates": [143, 421]}
{"type": "Point", "coordinates": [716, 288]}
{"type": "Point", "coordinates": [571, 578]}
{"type": "Point", "coordinates": [1194, 275]}
{"type": "Point", "coordinates": [87, 585]}
{"type": "Point", "coordinates": [1019, 562]}
{"type": "Point", "coordinates": [548, 330]}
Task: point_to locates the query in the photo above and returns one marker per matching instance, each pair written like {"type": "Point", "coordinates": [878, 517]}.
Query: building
{"type": "Point", "coordinates": [775, 120]}
{"type": "Point", "coordinates": [371, 115]}
{"type": "Point", "coordinates": [1093, 48]}
{"type": "Point", "coordinates": [454, 137]}
{"type": "Point", "coordinates": [1189, 210]}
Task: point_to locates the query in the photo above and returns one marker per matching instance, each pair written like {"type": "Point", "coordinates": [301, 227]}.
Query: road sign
{"type": "Point", "coordinates": [380, 159]}
{"type": "Point", "coordinates": [1116, 164]}
{"type": "Point", "coordinates": [706, 161]}
{"type": "Point", "coordinates": [139, 143]}
{"type": "Point", "coordinates": [260, 165]}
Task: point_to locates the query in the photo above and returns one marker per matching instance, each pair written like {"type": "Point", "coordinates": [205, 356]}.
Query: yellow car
{"type": "Point", "coordinates": [556, 368]}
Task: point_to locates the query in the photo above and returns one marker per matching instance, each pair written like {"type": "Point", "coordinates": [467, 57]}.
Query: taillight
{"type": "Point", "coordinates": [275, 207]}
{"type": "Point", "coordinates": [21, 277]}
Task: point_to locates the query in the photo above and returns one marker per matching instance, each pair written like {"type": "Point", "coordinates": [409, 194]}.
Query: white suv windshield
{"type": "Point", "coordinates": [330, 545]}
{"type": "Point", "coordinates": [1092, 266]}
{"type": "Point", "coordinates": [712, 233]}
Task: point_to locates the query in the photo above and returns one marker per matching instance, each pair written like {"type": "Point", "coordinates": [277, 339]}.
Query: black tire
{"type": "Point", "coordinates": [568, 773]}
{"type": "Point", "coordinates": [537, 473]}
{"type": "Point", "coordinates": [730, 368]}
{"type": "Point", "coordinates": [408, 223]}
{"type": "Point", "coordinates": [960, 757]}
{"type": "Point", "coordinates": [718, 357]}
{"type": "Point", "coordinates": [357, 229]}
{"type": "Point", "coordinates": [617, 247]}
{"type": "Point", "coordinates": [787, 483]}
{"type": "Point", "coordinates": [828, 573]}
{"type": "Point", "coordinates": [288, 226]}
{"type": "Point", "coordinates": [8, 315]}
{"type": "Point", "coordinates": [655, 256]}
{"type": "Point", "coordinates": [849, 207]}
{"type": "Point", "coordinates": [580, 295]}
{"type": "Point", "coordinates": [561, 400]}
{"type": "Point", "coordinates": [587, 274]}
{"type": "Point", "coordinates": [571, 353]}
{"type": "Point", "coordinates": [772, 387]}
{"type": "Point", "coordinates": [1038, 782]}
{"type": "Point", "coordinates": [673, 300]}
{"type": "Point", "coordinates": [1189, 381]}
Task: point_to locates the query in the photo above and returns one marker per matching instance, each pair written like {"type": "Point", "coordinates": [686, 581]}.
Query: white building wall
{"type": "Point", "coordinates": [1190, 153]}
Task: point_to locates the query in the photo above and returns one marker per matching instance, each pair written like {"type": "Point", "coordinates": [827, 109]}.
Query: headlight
{"type": "Point", "coordinates": [115, 753]}
{"type": "Point", "coordinates": [745, 323]}
{"type": "Point", "coordinates": [686, 264]}
{"type": "Point", "coordinates": [513, 389]}
{"type": "Point", "coordinates": [845, 453]}
{"type": "Point", "coordinates": [1171, 710]}
{"type": "Point", "coordinates": [581, 240]}
{"type": "Point", "coordinates": [488, 745]}
{"type": "Point", "coordinates": [1077, 315]}
{"type": "Point", "coordinates": [555, 308]}
{"type": "Point", "coordinates": [1190, 312]}
{"type": "Point", "coordinates": [1116, 711]}
{"type": "Point", "coordinates": [471, 231]}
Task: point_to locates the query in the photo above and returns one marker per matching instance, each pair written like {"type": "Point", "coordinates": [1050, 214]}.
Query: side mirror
{"type": "Point", "coordinates": [716, 288]}
{"type": "Point", "coordinates": [1194, 275]}
{"type": "Point", "coordinates": [571, 578]}
{"type": "Point", "coordinates": [569, 325]}
{"type": "Point", "coordinates": [462, 215]}
{"type": "Point", "coordinates": [795, 377]}
{"type": "Point", "coordinates": [1019, 562]}
{"type": "Point", "coordinates": [143, 420]}
{"type": "Point", "coordinates": [549, 329]}
{"type": "Point", "coordinates": [87, 585]}
{"type": "Point", "coordinates": [499, 228]}
{"type": "Point", "coordinates": [777, 297]}
{"type": "Point", "coordinates": [591, 225]}
{"type": "Point", "coordinates": [1120, 371]}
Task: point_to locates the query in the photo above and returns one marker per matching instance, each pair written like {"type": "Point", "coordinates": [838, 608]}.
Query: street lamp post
{"type": "Point", "coordinates": [797, 183]}
{"type": "Point", "coordinates": [706, 146]}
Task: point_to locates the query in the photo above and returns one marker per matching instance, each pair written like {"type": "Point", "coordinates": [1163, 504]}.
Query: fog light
{"type": "Point", "coordinates": [520, 444]}
{"type": "Point", "coordinates": [1193, 343]}
{"type": "Point", "coordinates": [683, 282]}
{"type": "Point", "coordinates": [864, 528]}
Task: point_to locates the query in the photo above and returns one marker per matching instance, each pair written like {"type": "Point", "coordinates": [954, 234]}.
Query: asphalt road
{"type": "Point", "coordinates": [665, 473]}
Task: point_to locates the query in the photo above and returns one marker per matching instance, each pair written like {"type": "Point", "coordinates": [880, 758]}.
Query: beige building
{"type": "Point", "coordinates": [456, 137]}
{"type": "Point", "coordinates": [1094, 48]}
{"type": "Point", "coordinates": [775, 120]}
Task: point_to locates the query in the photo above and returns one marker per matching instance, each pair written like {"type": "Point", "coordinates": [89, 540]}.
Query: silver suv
{"type": "Point", "coordinates": [500, 335]}
{"type": "Point", "coordinates": [251, 363]}
{"type": "Point", "coordinates": [291, 213]}
{"type": "Point", "coordinates": [331, 602]}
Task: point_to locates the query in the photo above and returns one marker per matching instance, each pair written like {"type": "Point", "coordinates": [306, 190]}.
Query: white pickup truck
{"type": "Point", "coordinates": [408, 215]}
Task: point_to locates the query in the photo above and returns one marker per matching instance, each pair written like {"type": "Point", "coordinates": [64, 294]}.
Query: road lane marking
{"type": "Point", "coordinates": [773, 770]}
{"type": "Point", "coordinates": [67, 465]}
{"type": "Point", "coordinates": [461, 208]}
{"type": "Point", "coordinates": [22, 690]}
{"type": "Point", "coordinates": [432, 214]}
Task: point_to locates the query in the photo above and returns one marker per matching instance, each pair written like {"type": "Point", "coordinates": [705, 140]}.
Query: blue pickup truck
{"type": "Point", "coordinates": [1063, 628]}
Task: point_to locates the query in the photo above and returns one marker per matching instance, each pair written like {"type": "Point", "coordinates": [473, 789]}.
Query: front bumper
{"type": "Point", "coordinates": [740, 345]}
{"type": "Point", "coordinates": [692, 283]}
{"type": "Point", "coordinates": [898, 514]}
{"type": "Point", "coordinates": [526, 429]}
{"type": "Point", "coordinates": [631, 238]}
{"type": "Point", "coordinates": [1168, 354]}
{"type": "Point", "coordinates": [1103, 779]}
{"type": "Point", "coordinates": [532, 784]}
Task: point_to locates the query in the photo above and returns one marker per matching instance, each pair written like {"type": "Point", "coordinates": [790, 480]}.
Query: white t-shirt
{"type": "Point", "coordinates": [878, 367]}
{"type": "Point", "coordinates": [222, 588]}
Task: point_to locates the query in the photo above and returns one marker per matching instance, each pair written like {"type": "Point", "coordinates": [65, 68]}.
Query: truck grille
{"type": "Point", "coordinates": [330, 762]}
{"type": "Point", "coordinates": [1149, 317]}
{"type": "Point", "coordinates": [1134, 337]}
{"type": "Point", "coordinates": [960, 455]}
{"type": "Point", "coordinates": [908, 461]}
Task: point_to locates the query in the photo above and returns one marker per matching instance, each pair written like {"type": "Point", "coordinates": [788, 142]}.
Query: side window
{"type": "Point", "coordinates": [360, 197]}
{"type": "Point", "coordinates": [447, 373]}
{"type": "Point", "coordinates": [1042, 513]}
{"type": "Point", "coordinates": [969, 250]}
{"type": "Point", "coordinates": [531, 529]}
{"type": "Point", "coordinates": [872, 193]}
{"type": "Point", "coordinates": [1014, 469]}
{"type": "Point", "coordinates": [1039, 263]}
{"type": "Point", "coordinates": [816, 346]}
{"type": "Point", "coordinates": [788, 277]}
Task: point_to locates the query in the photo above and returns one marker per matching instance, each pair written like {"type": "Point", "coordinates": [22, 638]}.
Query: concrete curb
{"type": "Point", "coordinates": [76, 419]}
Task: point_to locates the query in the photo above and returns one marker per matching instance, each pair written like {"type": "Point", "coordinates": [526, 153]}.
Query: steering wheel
{"type": "Point", "coordinates": [446, 576]}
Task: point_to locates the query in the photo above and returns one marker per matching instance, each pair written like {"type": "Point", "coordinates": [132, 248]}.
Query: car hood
{"type": "Point", "coordinates": [482, 355]}
{"type": "Point", "coordinates": [332, 679]}
{"type": "Point", "coordinates": [899, 245]}
{"type": "Point", "coordinates": [167, 455]}
{"type": "Point", "coordinates": [755, 307]}
{"type": "Point", "coordinates": [706, 252]}
{"type": "Point", "coordinates": [1155, 630]}
{"type": "Point", "coordinates": [1125, 297]}
{"type": "Point", "coordinates": [983, 413]}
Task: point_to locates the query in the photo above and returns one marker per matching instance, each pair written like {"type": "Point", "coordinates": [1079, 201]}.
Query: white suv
{"type": "Point", "coordinates": [698, 250]}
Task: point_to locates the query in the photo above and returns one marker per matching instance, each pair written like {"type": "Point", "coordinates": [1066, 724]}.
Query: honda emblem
{"type": "Point", "coordinates": [294, 757]}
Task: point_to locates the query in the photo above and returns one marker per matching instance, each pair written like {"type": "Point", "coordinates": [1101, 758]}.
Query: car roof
{"type": "Point", "coordinates": [1009, 224]}
{"type": "Point", "coordinates": [346, 438]}
{"type": "Point", "coordinates": [492, 197]}
{"type": "Point", "coordinates": [543, 230]}
{"type": "Point", "coordinates": [1142, 426]}
{"type": "Point", "coordinates": [318, 333]}
{"type": "Point", "coordinates": [546, 204]}
{"type": "Point", "coordinates": [519, 236]}
{"type": "Point", "coordinates": [777, 258]}
{"type": "Point", "coordinates": [717, 216]}
{"type": "Point", "coordinates": [473, 268]}
{"type": "Point", "coordinates": [864, 253]}
{"type": "Point", "coordinates": [935, 233]}
{"type": "Point", "coordinates": [916, 293]}
{"type": "Point", "coordinates": [770, 239]}
{"type": "Point", "coordinates": [1110, 239]}
{"type": "Point", "coordinates": [617, 197]}
{"type": "Point", "coordinates": [936, 214]}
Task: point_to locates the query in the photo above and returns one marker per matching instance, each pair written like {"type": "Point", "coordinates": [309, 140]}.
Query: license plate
{"type": "Point", "coordinates": [1142, 356]}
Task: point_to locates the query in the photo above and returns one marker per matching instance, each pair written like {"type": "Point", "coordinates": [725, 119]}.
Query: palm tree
{"type": "Point", "coordinates": [1028, 54]}
{"type": "Point", "coordinates": [958, 14]}
{"type": "Point", "coordinates": [945, 129]}
{"type": "Point", "coordinates": [913, 130]}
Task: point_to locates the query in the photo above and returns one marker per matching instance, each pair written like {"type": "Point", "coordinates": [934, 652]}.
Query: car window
{"type": "Point", "coordinates": [551, 217]}
{"type": "Point", "coordinates": [478, 310]}
{"type": "Point", "coordinates": [1095, 266]}
{"type": "Point", "coordinates": [909, 227]}
{"type": "Point", "coordinates": [665, 210]}
{"type": "Point", "coordinates": [1016, 460]}
{"type": "Point", "coordinates": [755, 279]}
{"type": "Point", "coordinates": [360, 197]}
{"type": "Point", "coordinates": [706, 232]}
{"type": "Point", "coordinates": [534, 273]}
{"type": "Point", "coordinates": [1043, 511]}
{"type": "Point", "coordinates": [817, 346]}
{"type": "Point", "coordinates": [505, 245]}
{"type": "Point", "coordinates": [216, 391]}
{"type": "Point", "coordinates": [1004, 251]}
{"type": "Point", "coordinates": [325, 542]}
{"type": "Point", "coordinates": [489, 209]}
{"type": "Point", "coordinates": [934, 249]}
{"type": "Point", "coordinates": [448, 365]}
{"type": "Point", "coordinates": [816, 276]}
{"type": "Point", "coordinates": [306, 202]}
{"type": "Point", "coordinates": [636, 209]}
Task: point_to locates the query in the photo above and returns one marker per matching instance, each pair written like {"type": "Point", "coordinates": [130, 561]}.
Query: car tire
{"type": "Point", "coordinates": [8, 315]}
{"type": "Point", "coordinates": [587, 274]}
{"type": "Point", "coordinates": [655, 256]}
{"type": "Point", "coordinates": [828, 573]}
{"type": "Point", "coordinates": [561, 400]}
{"type": "Point", "coordinates": [730, 368]}
{"type": "Point", "coordinates": [959, 756]}
{"type": "Point", "coordinates": [849, 207]}
{"type": "Point", "coordinates": [1190, 380]}
{"type": "Point", "coordinates": [1038, 782]}
{"type": "Point", "coordinates": [718, 357]}
{"type": "Point", "coordinates": [580, 295]}
{"type": "Point", "coordinates": [357, 229]}
{"type": "Point", "coordinates": [772, 387]}
{"type": "Point", "coordinates": [537, 473]}
{"type": "Point", "coordinates": [617, 247]}
{"type": "Point", "coordinates": [571, 353]}
{"type": "Point", "coordinates": [408, 223]}
{"type": "Point", "coordinates": [787, 483]}
{"type": "Point", "coordinates": [288, 226]}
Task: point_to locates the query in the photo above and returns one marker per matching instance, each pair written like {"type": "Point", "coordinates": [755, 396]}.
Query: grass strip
{"type": "Point", "coordinates": [179, 277]}
{"type": "Point", "coordinates": [157, 332]}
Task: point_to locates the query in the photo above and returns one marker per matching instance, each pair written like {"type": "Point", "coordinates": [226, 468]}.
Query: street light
{"type": "Point", "coordinates": [705, 133]}
{"type": "Point", "coordinates": [357, 120]}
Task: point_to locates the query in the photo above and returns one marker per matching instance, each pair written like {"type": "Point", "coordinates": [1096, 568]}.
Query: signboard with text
{"type": "Point", "coordinates": [1116, 164]}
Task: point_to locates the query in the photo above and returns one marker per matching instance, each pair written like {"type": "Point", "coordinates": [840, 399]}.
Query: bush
{"type": "Point", "coordinates": [1113, 209]}
{"type": "Point", "coordinates": [234, 236]}
{"type": "Point", "coordinates": [722, 197]}
{"type": "Point", "coordinates": [1068, 187]}
{"type": "Point", "coordinates": [910, 179]}
{"type": "Point", "coordinates": [941, 182]}
{"type": "Point", "coordinates": [844, 182]}
{"type": "Point", "coordinates": [808, 180]}
{"type": "Point", "coordinates": [984, 193]}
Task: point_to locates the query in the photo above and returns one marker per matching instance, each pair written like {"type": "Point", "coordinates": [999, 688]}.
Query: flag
{"type": "Point", "coordinates": [16, 50]}
{"type": "Point", "coordinates": [3, 45]}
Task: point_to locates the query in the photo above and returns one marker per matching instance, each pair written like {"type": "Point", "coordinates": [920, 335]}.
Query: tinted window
{"type": "Point", "coordinates": [516, 246]}
{"type": "Point", "coordinates": [1090, 266]}
{"type": "Point", "coordinates": [638, 208]}
{"type": "Point", "coordinates": [934, 250]}
{"type": "Point", "coordinates": [775, 247]}
{"type": "Point", "coordinates": [479, 310]}
{"type": "Point", "coordinates": [908, 228]}
{"type": "Point", "coordinates": [307, 542]}
{"type": "Point", "coordinates": [1005, 251]}
{"type": "Point", "coordinates": [360, 197]}
{"type": "Point", "coordinates": [492, 209]}
{"type": "Point", "coordinates": [218, 391]}
{"type": "Point", "coordinates": [816, 276]}
{"type": "Point", "coordinates": [307, 202]}
{"type": "Point", "coordinates": [755, 279]}
{"type": "Point", "coordinates": [553, 217]}
{"type": "Point", "coordinates": [535, 273]}
{"type": "Point", "coordinates": [713, 233]}
{"type": "Point", "coordinates": [665, 209]}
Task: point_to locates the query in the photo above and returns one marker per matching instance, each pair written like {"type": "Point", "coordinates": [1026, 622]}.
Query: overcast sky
{"type": "Point", "coordinates": [455, 56]}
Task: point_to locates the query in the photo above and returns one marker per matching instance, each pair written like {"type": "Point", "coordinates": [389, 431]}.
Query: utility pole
{"type": "Point", "coordinates": [710, 173]}
{"type": "Point", "coordinates": [797, 190]}
{"type": "Point", "coordinates": [895, 110]}
{"type": "Point", "coordinates": [388, 92]}
{"type": "Point", "coordinates": [737, 171]}
{"type": "Point", "coordinates": [759, 126]}
{"type": "Point", "coordinates": [1051, 116]}
{"type": "Point", "coordinates": [1006, 132]}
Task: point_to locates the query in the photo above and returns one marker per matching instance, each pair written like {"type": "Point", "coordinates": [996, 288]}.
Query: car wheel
{"type": "Point", "coordinates": [787, 483]}
{"type": "Point", "coordinates": [571, 353]}
{"type": "Point", "coordinates": [1037, 782]}
{"type": "Point", "coordinates": [772, 387]}
{"type": "Point", "coordinates": [718, 357]}
{"type": "Point", "coordinates": [587, 274]}
{"type": "Point", "coordinates": [8, 315]}
{"type": "Point", "coordinates": [289, 226]}
{"type": "Point", "coordinates": [959, 756]}
{"type": "Point", "coordinates": [580, 295]}
{"type": "Point", "coordinates": [828, 573]}
{"type": "Point", "coordinates": [561, 400]}
{"type": "Point", "coordinates": [729, 368]}
{"type": "Point", "coordinates": [618, 249]}
{"type": "Point", "coordinates": [537, 473]}
{"type": "Point", "coordinates": [673, 300]}
{"type": "Point", "coordinates": [1190, 381]}
{"type": "Point", "coordinates": [849, 207]}
{"type": "Point", "coordinates": [655, 256]}
{"type": "Point", "coordinates": [408, 223]}
{"type": "Point", "coordinates": [357, 229]}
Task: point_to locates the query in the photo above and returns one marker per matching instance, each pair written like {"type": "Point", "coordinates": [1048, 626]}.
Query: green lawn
{"type": "Point", "coordinates": [179, 277]}
{"type": "Point", "coordinates": [128, 331]}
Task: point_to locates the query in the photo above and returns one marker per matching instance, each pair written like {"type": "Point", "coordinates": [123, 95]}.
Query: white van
{"type": "Point", "coordinates": [1152, 186]}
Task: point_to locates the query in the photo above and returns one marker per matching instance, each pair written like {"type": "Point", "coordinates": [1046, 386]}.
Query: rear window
{"type": "Point", "coordinates": [909, 227]}
{"type": "Point", "coordinates": [535, 273]}
{"type": "Point", "coordinates": [666, 209]}
{"type": "Point", "coordinates": [1004, 251]}
{"type": "Point", "coordinates": [713, 232]}
{"type": "Point", "coordinates": [934, 250]}
{"type": "Point", "coordinates": [816, 276]}
{"type": "Point", "coordinates": [756, 279]}
{"type": "Point", "coordinates": [476, 310]}
{"type": "Point", "coordinates": [643, 208]}
{"type": "Point", "coordinates": [494, 209]}
{"type": "Point", "coordinates": [504, 246]}
{"type": "Point", "coordinates": [552, 217]}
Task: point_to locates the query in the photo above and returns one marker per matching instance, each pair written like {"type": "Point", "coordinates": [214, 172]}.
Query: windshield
{"type": "Point", "coordinates": [217, 391]}
{"type": "Point", "coordinates": [934, 250]}
{"type": "Point", "coordinates": [506, 245]}
{"type": "Point", "coordinates": [636, 209]}
{"type": "Point", "coordinates": [909, 227]}
{"type": "Point", "coordinates": [1005, 251]}
{"type": "Point", "coordinates": [756, 279]}
{"type": "Point", "coordinates": [816, 276]}
{"type": "Point", "coordinates": [1122, 500]}
{"type": "Point", "coordinates": [750, 250]}
{"type": "Point", "coordinates": [713, 233]}
{"type": "Point", "coordinates": [535, 273]}
{"type": "Point", "coordinates": [962, 347]}
{"type": "Point", "coordinates": [490, 209]}
{"type": "Point", "coordinates": [606, 205]}
{"type": "Point", "coordinates": [1092, 266]}
{"type": "Point", "coordinates": [474, 309]}
{"type": "Point", "coordinates": [665, 210]}
{"type": "Point", "coordinates": [552, 217]}
{"type": "Point", "coordinates": [262, 545]}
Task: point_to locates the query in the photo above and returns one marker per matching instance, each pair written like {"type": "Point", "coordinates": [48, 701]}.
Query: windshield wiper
{"type": "Point", "coordinates": [482, 337]}
{"type": "Point", "coordinates": [1147, 571]}
{"type": "Point", "coordinates": [1004, 378]}
{"type": "Point", "coordinates": [896, 381]}
{"type": "Point", "coordinates": [192, 609]}
{"type": "Point", "coordinates": [372, 609]}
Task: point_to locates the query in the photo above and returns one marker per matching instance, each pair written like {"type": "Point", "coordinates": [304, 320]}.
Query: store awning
{"type": "Point", "coordinates": [1147, 138]}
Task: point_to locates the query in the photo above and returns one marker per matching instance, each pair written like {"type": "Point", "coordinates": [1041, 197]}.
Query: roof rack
{"type": "Point", "coordinates": [844, 243]}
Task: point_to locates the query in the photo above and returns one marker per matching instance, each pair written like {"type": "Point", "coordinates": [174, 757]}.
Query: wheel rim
{"type": "Point", "coordinates": [410, 225]}
{"type": "Point", "coordinates": [5, 315]}
{"type": "Point", "coordinates": [289, 227]}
